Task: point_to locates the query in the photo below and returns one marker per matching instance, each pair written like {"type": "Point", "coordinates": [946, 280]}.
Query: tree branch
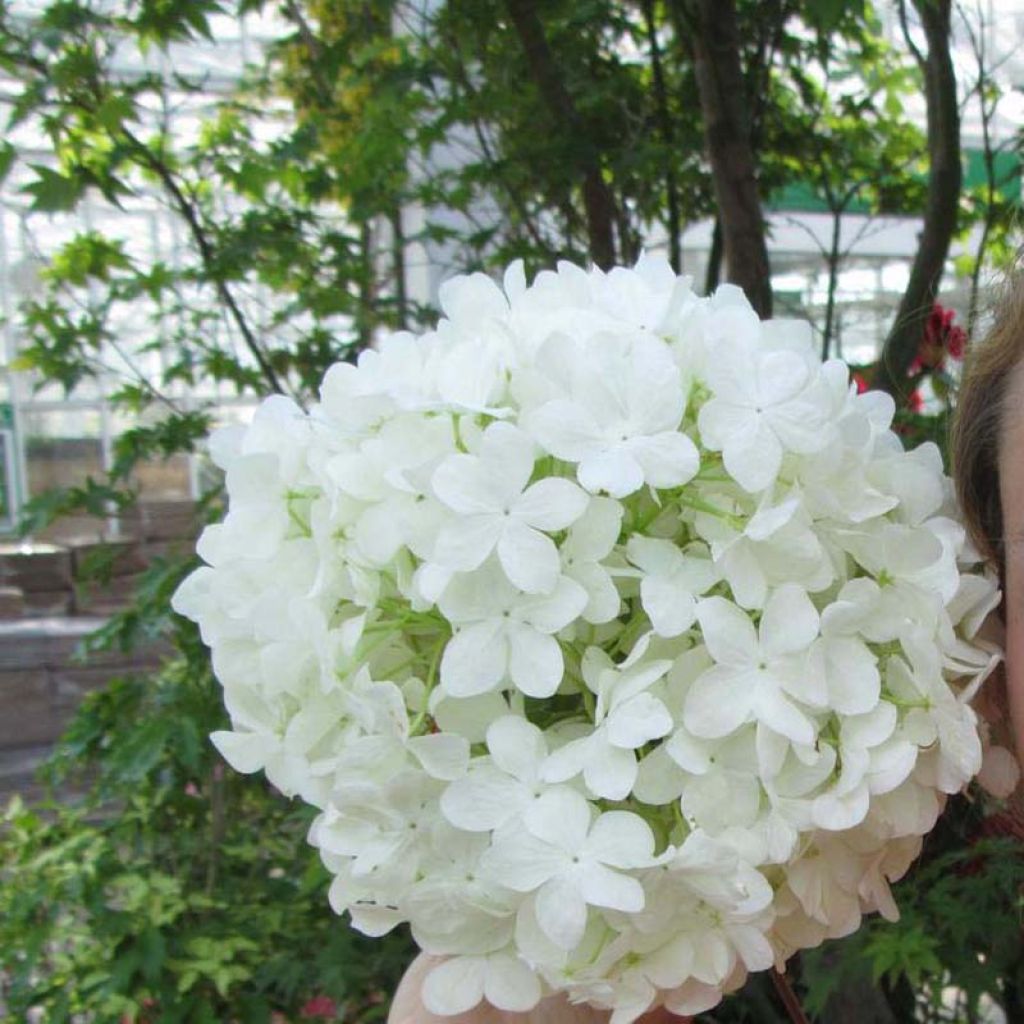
{"type": "Point", "coordinates": [721, 87]}
{"type": "Point", "coordinates": [598, 202]}
{"type": "Point", "coordinates": [188, 213]}
{"type": "Point", "coordinates": [788, 997]}
{"type": "Point", "coordinates": [941, 205]}
{"type": "Point", "coordinates": [667, 136]}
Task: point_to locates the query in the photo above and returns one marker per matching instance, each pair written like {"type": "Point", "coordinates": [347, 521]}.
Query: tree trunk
{"type": "Point", "coordinates": [833, 282]}
{"type": "Point", "coordinates": [713, 272]}
{"type": "Point", "coordinates": [398, 267]}
{"type": "Point", "coordinates": [940, 215]}
{"type": "Point", "coordinates": [674, 220]}
{"type": "Point", "coordinates": [598, 201]}
{"type": "Point", "coordinates": [722, 91]}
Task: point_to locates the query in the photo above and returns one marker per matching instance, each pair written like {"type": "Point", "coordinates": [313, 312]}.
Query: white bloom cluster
{"type": "Point", "coordinates": [618, 641]}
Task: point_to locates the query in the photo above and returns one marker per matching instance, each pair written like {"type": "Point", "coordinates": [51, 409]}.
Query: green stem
{"type": "Point", "coordinates": [699, 505]}
{"type": "Point", "coordinates": [435, 661]}
{"type": "Point", "coordinates": [655, 513]}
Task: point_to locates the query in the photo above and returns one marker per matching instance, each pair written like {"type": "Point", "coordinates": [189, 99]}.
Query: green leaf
{"type": "Point", "coordinates": [52, 192]}
{"type": "Point", "coordinates": [7, 157]}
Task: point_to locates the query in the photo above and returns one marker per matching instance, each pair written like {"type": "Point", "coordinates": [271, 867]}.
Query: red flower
{"type": "Point", "coordinates": [956, 342]}
{"type": "Point", "coordinates": [915, 403]}
{"type": "Point", "coordinates": [939, 339]}
{"type": "Point", "coordinates": [320, 1008]}
{"type": "Point", "coordinates": [860, 381]}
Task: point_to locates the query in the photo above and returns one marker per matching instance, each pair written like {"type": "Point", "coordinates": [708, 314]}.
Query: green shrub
{"type": "Point", "coordinates": [176, 891]}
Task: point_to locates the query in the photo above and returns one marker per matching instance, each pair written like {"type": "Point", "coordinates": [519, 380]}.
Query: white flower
{"type": "Point", "coordinates": [451, 908]}
{"type": "Point", "coordinates": [944, 718]}
{"type": "Point", "coordinates": [591, 539]}
{"type": "Point", "coordinates": [626, 717]}
{"type": "Point", "coordinates": [497, 510]}
{"type": "Point", "coordinates": [381, 826]}
{"type": "Point", "coordinates": [420, 623]}
{"type": "Point", "coordinates": [504, 786]}
{"type": "Point", "coordinates": [776, 544]}
{"type": "Point", "coordinates": [760, 675]}
{"type": "Point", "coordinates": [459, 984]}
{"type": "Point", "coordinates": [764, 403]}
{"type": "Point", "coordinates": [505, 635]}
{"type": "Point", "coordinates": [572, 861]}
{"type": "Point", "coordinates": [915, 574]}
{"type": "Point", "coordinates": [620, 422]}
{"type": "Point", "coordinates": [846, 803]}
{"type": "Point", "coordinates": [672, 582]}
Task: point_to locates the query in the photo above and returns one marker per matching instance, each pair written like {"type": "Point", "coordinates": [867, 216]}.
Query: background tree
{"type": "Point", "coordinates": [376, 134]}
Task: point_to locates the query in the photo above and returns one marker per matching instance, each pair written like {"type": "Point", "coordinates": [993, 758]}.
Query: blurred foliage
{"type": "Point", "coordinates": [172, 890]}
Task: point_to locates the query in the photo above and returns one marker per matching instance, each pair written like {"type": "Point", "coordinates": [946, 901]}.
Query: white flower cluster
{"type": "Point", "coordinates": [618, 641]}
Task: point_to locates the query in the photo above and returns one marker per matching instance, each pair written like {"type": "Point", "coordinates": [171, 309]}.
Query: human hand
{"type": "Point", "coordinates": [407, 1007]}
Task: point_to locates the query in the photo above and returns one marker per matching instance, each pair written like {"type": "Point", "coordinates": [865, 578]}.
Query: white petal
{"type": "Point", "coordinates": [510, 984]}
{"type": "Point", "coordinates": [637, 721]}
{"type": "Point", "coordinates": [667, 460]}
{"type": "Point", "coordinates": [603, 887]}
{"type": "Point", "coordinates": [603, 601]}
{"type": "Point", "coordinates": [613, 470]}
{"type": "Point", "coordinates": [659, 780]}
{"type": "Point", "coordinates": [728, 632]}
{"type": "Point", "coordinates": [854, 684]}
{"type": "Point", "coordinates": [374, 921]}
{"type": "Point", "coordinates": [564, 429]}
{"type": "Point", "coordinates": [379, 533]}
{"type": "Point", "coordinates": [781, 715]}
{"type": "Point", "coordinates": [551, 612]}
{"type": "Point", "coordinates": [443, 755]}
{"type": "Point", "coordinates": [740, 566]}
{"type": "Point", "coordinates": [246, 752]}
{"type": "Point", "coordinates": [780, 376]}
{"type": "Point", "coordinates": [467, 716]}
{"type": "Point", "coordinates": [670, 606]}
{"type": "Point", "coordinates": [790, 621]}
{"type": "Point", "coordinates": [513, 281]}
{"type": "Point", "coordinates": [475, 659]}
{"type": "Point", "coordinates": [517, 746]}
{"type": "Point", "coordinates": [529, 558]}
{"type": "Point", "coordinates": [467, 485]}
{"type": "Point", "coordinates": [560, 817]}
{"type": "Point", "coordinates": [753, 460]}
{"type": "Point", "coordinates": [464, 544]}
{"type": "Point", "coordinates": [691, 754]}
{"type": "Point", "coordinates": [870, 729]}
{"type": "Point", "coordinates": [621, 839]}
{"type": "Point", "coordinates": [692, 998]}
{"type": "Point", "coordinates": [535, 661]}
{"type": "Point", "coordinates": [471, 298]}
{"type": "Point", "coordinates": [611, 775]}
{"type": "Point", "coordinates": [594, 534]}
{"type": "Point", "coordinates": [455, 985]}
{"type": "Point", "coordinates": [561, 913]}
{"type": "Point", "coordinates": [837, 813]}
{"type": "Point", "coordinates": [753, 947]}
{"type": "Point", "coordinates": [509, 455]}
{"type": "Point", "coordinates": [522, 862]}
{"type": "Point", "coordinates": [482, 800]}
{"type": "Point", "coordinates": [718, 421]}
{"type": "Point", "coordinates": [720, 701]}
{"type": "Point", "coordinates": [655, 556]}
{"type": "Point", "coordinates": [551, 504]}
{"type": "Point", "coordinates": [1000, 772]}
{"type": "Point", "coordinates": [565, 762]}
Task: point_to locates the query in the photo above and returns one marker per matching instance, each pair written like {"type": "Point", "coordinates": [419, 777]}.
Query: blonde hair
{"type": "Point", "coordinates": [979, 420]}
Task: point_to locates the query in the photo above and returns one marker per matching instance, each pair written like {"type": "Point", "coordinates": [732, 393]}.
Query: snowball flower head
{"type": "Point", "coordinates": [604, 630]}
